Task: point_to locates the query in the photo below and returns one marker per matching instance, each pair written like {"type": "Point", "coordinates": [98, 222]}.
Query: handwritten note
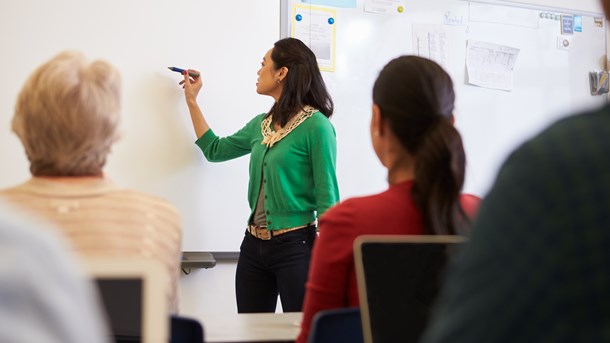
{"type": "Point", "coordinates": [453, 19]}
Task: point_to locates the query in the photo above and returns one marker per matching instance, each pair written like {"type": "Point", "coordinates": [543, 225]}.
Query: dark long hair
{"type": "Point", "coordinates": [303, 84]}
{"type": "Point", "coordinates": [416, 96]}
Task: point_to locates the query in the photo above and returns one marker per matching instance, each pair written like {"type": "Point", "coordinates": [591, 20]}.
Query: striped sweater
{"type": "Point", "coordinates": [100, 219]}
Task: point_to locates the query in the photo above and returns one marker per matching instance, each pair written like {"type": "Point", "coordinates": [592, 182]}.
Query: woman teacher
{"type": "Point", "coordinates": [292, 181]}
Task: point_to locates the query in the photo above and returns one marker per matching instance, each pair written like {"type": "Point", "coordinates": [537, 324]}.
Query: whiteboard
{"type": "Point", "coordinates": [226, 40]}
{"type": "Point", "coordinates": [591, 7]}
{"type": "Point", "coordinates": [549, 83]}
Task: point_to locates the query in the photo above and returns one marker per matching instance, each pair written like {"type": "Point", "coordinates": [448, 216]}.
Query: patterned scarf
{"type": "Point", "coordinates": [272, 137]}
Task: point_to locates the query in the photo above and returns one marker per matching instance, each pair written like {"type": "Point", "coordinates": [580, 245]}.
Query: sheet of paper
{"type": "Point", "coordinates": [430, 41]}
{"type": "Point", "coordinates": [488, 13]}
{"type": "Point", "coordinates": [384, 6]}
{"type": "Point", "coordinates": [332, 3]}
{"type": "Point", "coordinates": [491, 65]}
{"type": "Point", "coordinates": [315, 26]}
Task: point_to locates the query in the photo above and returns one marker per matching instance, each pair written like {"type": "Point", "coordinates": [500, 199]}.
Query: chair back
{"type": "Point", "coordinates": [398, 280]}
{"type": "Point", "coordinates": [337, 326]}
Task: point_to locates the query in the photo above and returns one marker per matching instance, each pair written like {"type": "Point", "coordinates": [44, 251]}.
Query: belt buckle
{"type": "Point", "coordinates": [260, 232]}
{"type": "Point", "coordinates": [265, 234]}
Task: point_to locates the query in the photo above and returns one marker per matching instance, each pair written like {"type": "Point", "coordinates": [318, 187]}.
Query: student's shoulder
{"type": "Point", "coordinates": [358, 215]}
{"type": "Point", "coordinates": [142, 200]}
{"type": "Point", "coordinates": [585, 119]}
{"type": "Point", "coordinates": [576, 128]}
{"type": "Point", "coordinates": [567, 138]}
{"type": "Point", "coordinates": [361, 205]}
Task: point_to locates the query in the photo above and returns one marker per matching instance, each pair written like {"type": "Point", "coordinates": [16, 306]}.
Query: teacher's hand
{"type": "Point", "coordinates": [191, 85]}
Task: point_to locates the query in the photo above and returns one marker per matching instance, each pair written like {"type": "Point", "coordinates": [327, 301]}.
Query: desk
{"type": "Point", "coordinates": [252, 327]}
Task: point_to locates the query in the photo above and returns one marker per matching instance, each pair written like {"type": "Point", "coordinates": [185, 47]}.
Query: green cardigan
{"type": "Point", "coordinates": [299, 171]}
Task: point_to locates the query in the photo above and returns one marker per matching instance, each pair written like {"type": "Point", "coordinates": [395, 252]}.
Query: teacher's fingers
{"type": "Point", "coordinates": [194, 73]}
{"type": "Point", "coordinates": [186, 78]}
{"type": "Point", "coordinates": [185, 83]}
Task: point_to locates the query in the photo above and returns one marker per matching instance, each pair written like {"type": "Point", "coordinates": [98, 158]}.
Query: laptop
{"type": "Point", "coordinates": [398, 279]}
{"type": "Point", "coordinates": [133, 294]}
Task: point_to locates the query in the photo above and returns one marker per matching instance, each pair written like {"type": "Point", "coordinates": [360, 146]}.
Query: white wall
{"type": "Point", "coordinates": [205, 292]}
{"type": "Point", "coordinates": [226, 40]}
{"type": "Point", "coordinates": [210, 292]}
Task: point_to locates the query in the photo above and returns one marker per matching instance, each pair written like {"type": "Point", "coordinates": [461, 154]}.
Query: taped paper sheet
{"type": "Point", "coordinates": [490, 65]}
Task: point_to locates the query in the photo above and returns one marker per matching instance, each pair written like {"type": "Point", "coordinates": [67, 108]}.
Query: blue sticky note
{"type": "Point", "coordinates": [577, 23]}
{"type": "Point", "coordinates": [567, 24]}
{"type": "Point", "coordinates": [332, 3]}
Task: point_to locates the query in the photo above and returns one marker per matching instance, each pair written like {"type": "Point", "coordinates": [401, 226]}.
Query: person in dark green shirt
{"type": "Point", "coordinates": [292, 174]}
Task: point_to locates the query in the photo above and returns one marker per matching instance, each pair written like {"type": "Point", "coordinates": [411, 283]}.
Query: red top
{"type": "Point", "coordinates": [332, 276]}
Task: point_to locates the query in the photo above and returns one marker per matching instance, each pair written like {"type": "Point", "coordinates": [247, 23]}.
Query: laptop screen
{"type": "Point", "coordinates": [122, 300]}
{"type": "Point", "coordinates": [398, 281]}
{"type": "Point", "coordinates": [133, 293]}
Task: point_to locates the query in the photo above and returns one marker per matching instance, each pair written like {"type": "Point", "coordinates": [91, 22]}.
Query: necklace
{"type": "Point", "coordinates": [272, 137]}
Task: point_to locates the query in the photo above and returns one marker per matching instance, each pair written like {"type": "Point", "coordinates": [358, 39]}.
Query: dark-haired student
{"type": "Point", "coordinates": [414, 138]}
{"type": "Point", "coordinates": [292, 181]}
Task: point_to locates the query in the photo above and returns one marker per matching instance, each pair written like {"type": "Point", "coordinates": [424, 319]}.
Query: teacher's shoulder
{"type": "Point", "coordinates": [319, 122]}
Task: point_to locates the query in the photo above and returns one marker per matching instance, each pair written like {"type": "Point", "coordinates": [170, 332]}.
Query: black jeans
{"type": "Point", "coordinates": [266, 268]}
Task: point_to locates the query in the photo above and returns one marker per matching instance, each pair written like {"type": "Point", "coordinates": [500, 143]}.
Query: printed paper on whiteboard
{"type": "Point", "coordinates": [431, 41]}
{"type": "Point", "coordinates": [491, 65]}
{"type": "Point", "coordinates": [384, 6]}
{"type": "Point", "coordinates": [315, 26]}
{"type": "Point", "coordinates": [332, 3]}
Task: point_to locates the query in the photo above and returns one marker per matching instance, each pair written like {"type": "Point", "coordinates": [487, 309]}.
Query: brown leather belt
{"type": "Point", "coordinates": [261, 232]}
